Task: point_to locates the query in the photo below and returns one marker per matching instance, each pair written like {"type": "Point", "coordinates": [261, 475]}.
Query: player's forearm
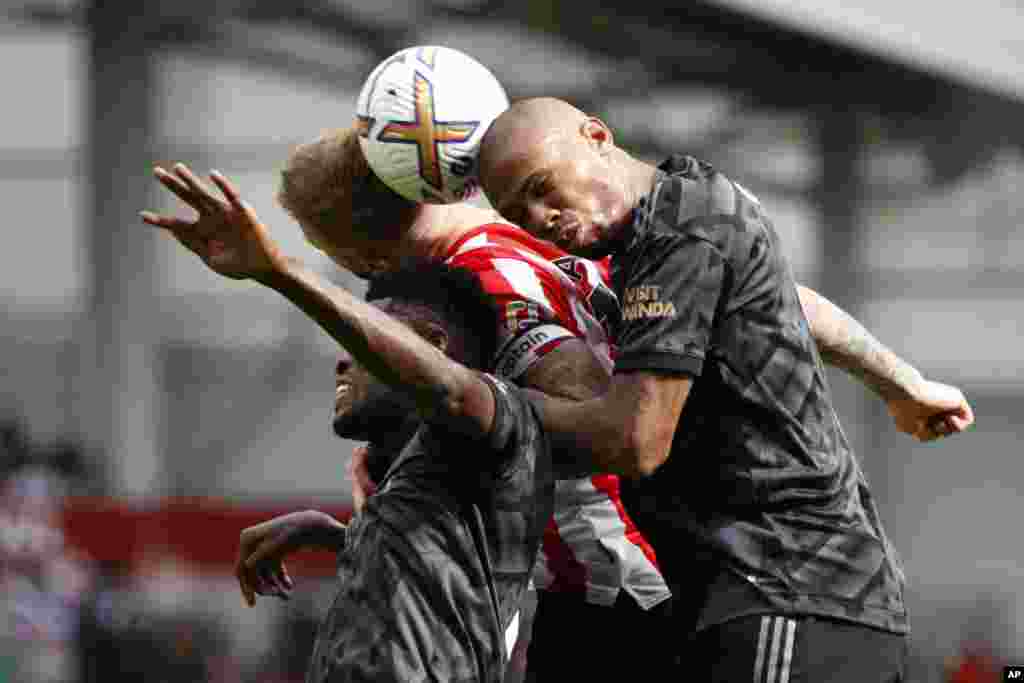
{"type": "Point", "coordinates": [388, 349]}
{"type": "Point", "coordinates": [627, 431]}
{"type": "Point", "coordinates": [584, 439]}
{"type": "Point", "coordinates": [331, 535]}
{"type": "Point", "coordinates": [312, 530]}
{"type": "Point", "coordinates": [845, 343]}
{"type": "Point", "coordinates": [571, 371]}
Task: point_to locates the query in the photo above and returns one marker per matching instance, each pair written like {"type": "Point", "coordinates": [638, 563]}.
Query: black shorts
{"type": "Point", "coordinates": [572, 640]}
{"type": "Point", "coordinates": [778, 649]}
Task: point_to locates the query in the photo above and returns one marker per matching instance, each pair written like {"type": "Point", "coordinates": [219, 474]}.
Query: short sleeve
{"type": "Point", "coordinates": [669, 296]}
{"type": "Point", "coordinates": [510, 414]}
{"type": "Point", "coordinates": [515, 432]}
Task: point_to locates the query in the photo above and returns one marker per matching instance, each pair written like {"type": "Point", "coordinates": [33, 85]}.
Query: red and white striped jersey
{"type": "Point", "coordinates": [544, 297]}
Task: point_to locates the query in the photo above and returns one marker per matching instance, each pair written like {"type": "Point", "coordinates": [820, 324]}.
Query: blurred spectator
{"type": "Point", "coordinates": [41, 581]}
{"type": "Point", "coordinates": [150, 624]}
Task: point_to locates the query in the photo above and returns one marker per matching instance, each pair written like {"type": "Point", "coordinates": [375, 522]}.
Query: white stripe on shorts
{"type": "Point", "coordinates": [780, 632]}
{"type": "Point", "coordinates": [762, 640]}
{"type": "Point", "coordinates": [773, 655]}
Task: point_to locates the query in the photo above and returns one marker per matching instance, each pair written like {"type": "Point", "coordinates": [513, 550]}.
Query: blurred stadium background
{"type": "Point", "coordinates": [150, 410]}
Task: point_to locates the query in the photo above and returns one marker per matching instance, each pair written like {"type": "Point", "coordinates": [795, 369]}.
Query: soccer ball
{"type": "Point", "coordinates": [421, 116]}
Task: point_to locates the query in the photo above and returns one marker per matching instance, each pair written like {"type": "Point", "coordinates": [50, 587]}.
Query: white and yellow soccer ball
{"type": "Point", "coordinates": [421, 116]}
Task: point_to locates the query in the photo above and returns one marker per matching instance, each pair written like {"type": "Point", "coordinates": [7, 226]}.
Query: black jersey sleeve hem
{"type": "Point", "coordinates": [500, 426]}
{"type": "Point", "coordinates": [685, 364]}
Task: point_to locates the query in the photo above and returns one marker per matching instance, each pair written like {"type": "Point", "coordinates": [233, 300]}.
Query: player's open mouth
{"type": "Point", "coordinates": [341, 394]}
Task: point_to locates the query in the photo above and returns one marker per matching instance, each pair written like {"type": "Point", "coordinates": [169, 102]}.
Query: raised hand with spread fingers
{"type": "Point", "coordinates": [227, 235]}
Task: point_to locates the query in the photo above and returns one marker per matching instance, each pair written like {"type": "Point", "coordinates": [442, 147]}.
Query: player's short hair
{"type": "Point", "coordinates": [456, 294]}
{"type": "Point", "coordinates": [327, 185]}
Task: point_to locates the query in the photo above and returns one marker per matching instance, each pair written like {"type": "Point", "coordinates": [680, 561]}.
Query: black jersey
{"type": "Point", "coordinates": [761, 496]}
{"type": "Point", "coordinates": [437, 561]}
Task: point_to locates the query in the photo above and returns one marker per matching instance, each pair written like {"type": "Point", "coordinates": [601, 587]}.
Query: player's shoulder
{"type": "Point", "coordinates": [503, 238]}
{"type": "Point", "coordinates": [693, 199]}
{"type": "Point", "coordinates": [485, 247]}
{"type": "Point", "coordinates": [509, 262]}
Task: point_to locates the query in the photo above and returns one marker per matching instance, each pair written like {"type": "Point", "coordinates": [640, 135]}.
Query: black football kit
{"type": "Point", "coordinates": [761, 508]}
{"type": "Point", "coordinates": [436, 563]}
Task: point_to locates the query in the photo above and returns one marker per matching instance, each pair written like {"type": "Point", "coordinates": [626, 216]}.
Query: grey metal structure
{"type": "Point", "coordinates": [798, 116]}
{"type": "Point", "coordinates": [842, 97]}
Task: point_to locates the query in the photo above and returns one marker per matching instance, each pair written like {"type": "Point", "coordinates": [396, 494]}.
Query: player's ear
{"type": "Point", "coordinates": [598, 134]}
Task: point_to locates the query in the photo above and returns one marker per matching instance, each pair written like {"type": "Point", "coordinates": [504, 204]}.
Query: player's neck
{"type": "Point", "coordinates": [640, 177]}
{"type": "Point", "coordinates": [439, 226]}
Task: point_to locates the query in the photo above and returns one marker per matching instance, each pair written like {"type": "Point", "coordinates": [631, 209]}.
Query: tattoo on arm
{"type": "Point", "coordinates": [845, 343]}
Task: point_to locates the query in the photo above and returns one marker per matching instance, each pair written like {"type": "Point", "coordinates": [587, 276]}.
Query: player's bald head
{"type": "Point", "coordinates": [529, 135]}
{"type": "Point", "coordinates": [529, 122]}
{"type": "Point", "coordinates": [555, 171]}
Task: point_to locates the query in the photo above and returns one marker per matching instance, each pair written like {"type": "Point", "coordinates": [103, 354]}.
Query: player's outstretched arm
{"type": "Point", "coordinates": [924, 409]}
{"type": "Point", "coordinates": [262, 549]}
{"type": "Point", "coordinates": [846, 344]}
{"type": "Point", "coordinates": [226, 233]}
{"type": "Point", "coordinates": [230, 239]}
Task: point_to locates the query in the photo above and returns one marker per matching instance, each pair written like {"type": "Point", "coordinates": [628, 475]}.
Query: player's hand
{"type": "Point", "coordinates": [933, 410]}
{"type": "Point", "coordinates": [226, 235]}
{"type": "Point", "coordinates": [262, 548]}
{"type": "Point", "coordinates": [362, 486]}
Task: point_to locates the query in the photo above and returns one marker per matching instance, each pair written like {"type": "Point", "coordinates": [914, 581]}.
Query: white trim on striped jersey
{"type": "Point", "coordinates": [511, 635]}
{"type": "Point", "coordinates": [590, 525]}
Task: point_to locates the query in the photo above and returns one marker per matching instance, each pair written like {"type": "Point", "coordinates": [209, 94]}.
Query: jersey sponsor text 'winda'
{"type": "Point", "coordinates": [644, 301]}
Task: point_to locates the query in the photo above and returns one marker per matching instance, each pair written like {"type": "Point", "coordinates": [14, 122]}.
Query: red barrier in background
{"type": "Point", "coordinates": [201, 532]}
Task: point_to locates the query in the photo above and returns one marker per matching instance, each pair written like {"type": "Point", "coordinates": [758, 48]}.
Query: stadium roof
{"type": "Point", "coordinates": [978, 44]}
